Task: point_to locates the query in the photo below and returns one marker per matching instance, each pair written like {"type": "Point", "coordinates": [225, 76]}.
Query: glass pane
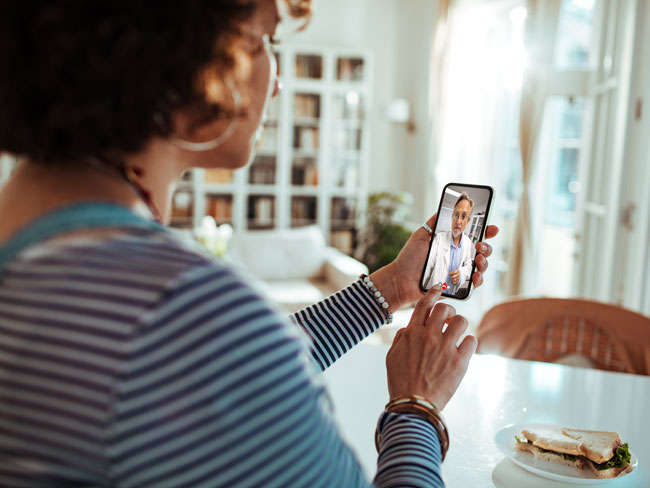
{"type": "Point", "coordinates": [343, 213]}
{"type": "Point", "coordinates": [562, 184]}
{"type": "Point", "coordinates": [347, 133]}
{"type": "Point", "coordinates": [513, 172]}
{"type": "Point", "coordinates": [220, 208]}
{"type": "Point", "coordinates": [262, 171]}
{"type": "Point", "coordinates": [571, 116]}
{"type": "Point", "coordinates": [306, 140]}
{"type": "Point", "coordinates": [303, 211]}
{"type": "Point", "coordinates": [182, 209]}
{"type": "Point", "coordinates": [309, 66]}
{"type": "Point", "coordinates": [306, 107]}
{"type": "Point", "coordinates": [304, 171]}
{"type": "Point", "coordinates": [278, 60]}
{"type": "Point", "coordinates": [347, 139]}
{"type": "Point", "coordinates": [349, 106]}
{"type": "Point", "coordinates": [343, 224]}
{"type": "Point", "coordinates": [557, 240]}
{"type": "Point", "coordinates": [349, 69]}
{"type": "Point", "coordinates": [272, 112]}
{"type": "Point", "coordinates": [575, 34]}
{"type": "Point", "coordinates": [562, 188]}
{"type": "Point", "coordinates": [344, 240]}
{"type": "Point", "coordinates": [261, 211]}
{"type": "Point", "coordinates": [268, 143]}
{"type": "Point", "coordinates": [345, 171]}
{"type": "Point", "coordinates": [222, 176]}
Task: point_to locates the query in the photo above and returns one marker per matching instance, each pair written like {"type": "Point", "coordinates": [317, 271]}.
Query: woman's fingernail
{"type": "Point", "coordinates": [437, 287]}
{"type": "Point", "coordinates": [481, 247]}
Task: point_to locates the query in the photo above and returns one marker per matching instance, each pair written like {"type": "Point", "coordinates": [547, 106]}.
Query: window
{"type": "Point", "coordinates": [565, 142]}
{"type": "Point", "coordinates": [561, 144]}
{"type": "Point", "coordinates": [486, 57]}
{"type": "Point", "coordinates": [574, 39]}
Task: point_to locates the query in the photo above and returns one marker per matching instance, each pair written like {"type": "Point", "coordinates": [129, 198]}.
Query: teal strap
{"type": "Point", "coordinates": [88, 215]}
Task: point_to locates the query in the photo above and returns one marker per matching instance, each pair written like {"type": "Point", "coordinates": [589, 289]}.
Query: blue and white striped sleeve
{"type": "Point", "coordinates": [219, 391]}
{"type": "Point", "coordinates": [409, 454]}
{"type": "Point", "coordinates": [339, 322]}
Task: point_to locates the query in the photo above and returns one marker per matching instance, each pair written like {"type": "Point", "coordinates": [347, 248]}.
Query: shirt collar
{"type": "Point", "coordinates": [460, 242]}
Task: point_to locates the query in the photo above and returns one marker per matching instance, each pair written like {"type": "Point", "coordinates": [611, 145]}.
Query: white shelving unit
{"type": "Point", "coordinates": [312, 164]}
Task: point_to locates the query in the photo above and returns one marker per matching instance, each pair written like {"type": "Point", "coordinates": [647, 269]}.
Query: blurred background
{"type": "Point", "coordinates": [386, 101]}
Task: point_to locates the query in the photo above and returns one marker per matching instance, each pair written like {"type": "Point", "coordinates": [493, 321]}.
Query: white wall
{"type": "Point", "coordinates": [399, 34]}
{"type": "Point", "coordinates": [416, 26]}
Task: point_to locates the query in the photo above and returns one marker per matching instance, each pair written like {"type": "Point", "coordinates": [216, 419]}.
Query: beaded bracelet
{"type": "Point", "coordinates": [365, 279]}
{"type": "Point", "coordinates": [419, 405]}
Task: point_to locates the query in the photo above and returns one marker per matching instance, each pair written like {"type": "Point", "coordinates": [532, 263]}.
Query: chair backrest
{"type": "Point", "coordinates": [547, 329]}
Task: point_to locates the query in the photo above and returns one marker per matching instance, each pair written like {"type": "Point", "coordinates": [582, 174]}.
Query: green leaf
{"type": "Point", "coordinates": [387, 228]}
{"type": "Point", "coordinates": [620, 459]}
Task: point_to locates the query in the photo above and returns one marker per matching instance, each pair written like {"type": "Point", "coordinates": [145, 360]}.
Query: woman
{"type": "Point", "coordinates": [127, 359]}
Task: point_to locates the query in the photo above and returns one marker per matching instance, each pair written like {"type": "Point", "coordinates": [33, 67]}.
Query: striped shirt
{"type": "Point", "coordinates": [133, 360]}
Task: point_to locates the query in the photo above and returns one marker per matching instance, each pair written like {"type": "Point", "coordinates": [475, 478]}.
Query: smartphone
{"type": "Point", "coordinates": [462, 218]}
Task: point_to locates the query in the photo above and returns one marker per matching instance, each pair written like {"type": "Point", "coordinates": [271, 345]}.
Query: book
{"type": "Point", "coordinates": [218, 176]}
{"type": "Point", "coordinates": [343, 240]}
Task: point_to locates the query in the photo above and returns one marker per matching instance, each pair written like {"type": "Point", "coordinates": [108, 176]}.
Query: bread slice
{"type": "Point", "coordinates": [553, 439]}
{"type": "Point", "coordinates": [553, 457]}
{"type": "Point", "coordinates": [606, 473]}
{"type": "Point", "coordinates": [597, 446]}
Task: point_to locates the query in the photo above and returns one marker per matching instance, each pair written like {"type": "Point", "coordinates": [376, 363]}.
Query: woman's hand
{"type": "Point", "coordinates": [399, 282]}
{"type": "Point", "coordinates": [423, 359]}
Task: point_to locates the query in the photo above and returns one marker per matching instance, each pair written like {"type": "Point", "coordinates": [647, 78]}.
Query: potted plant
{"type": "Point", "coordinates": [387, 228]}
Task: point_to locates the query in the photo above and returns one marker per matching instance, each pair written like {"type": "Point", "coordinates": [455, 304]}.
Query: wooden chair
{"type": "Point", "coordinates": [549, 329]}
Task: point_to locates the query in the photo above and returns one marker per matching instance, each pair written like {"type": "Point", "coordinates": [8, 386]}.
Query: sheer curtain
{"type": "Point", "coordinates": [473, 76]}
{"type": "Point", "coordinates": [491, 64]}
{"type": "Point", "coordinates": [478, 63]}
{"type": "Point", "coordinates": [541, 28]}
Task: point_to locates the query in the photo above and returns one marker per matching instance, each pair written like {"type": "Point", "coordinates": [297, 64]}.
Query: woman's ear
{"type": "Point", "coordinates": [194, 130]}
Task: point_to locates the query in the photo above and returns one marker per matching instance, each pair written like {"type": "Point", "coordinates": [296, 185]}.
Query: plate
{"type": "Point", "coordinates": [505, 441]}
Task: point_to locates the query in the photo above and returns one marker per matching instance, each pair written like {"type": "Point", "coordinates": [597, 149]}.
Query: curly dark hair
{"type": "Point", "coordinates": [83, 78]}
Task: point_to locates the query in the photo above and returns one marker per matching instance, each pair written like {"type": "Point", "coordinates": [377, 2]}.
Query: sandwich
{"type": "Point", "coordinates": [602, 452]}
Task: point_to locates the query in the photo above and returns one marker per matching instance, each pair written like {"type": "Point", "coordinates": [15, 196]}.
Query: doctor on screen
{"type": "Point", "coordinates": [450, 260]}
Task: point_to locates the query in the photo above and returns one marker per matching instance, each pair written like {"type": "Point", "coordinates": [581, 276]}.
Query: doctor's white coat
{"type": "Point", "coordinates": [437, 269]}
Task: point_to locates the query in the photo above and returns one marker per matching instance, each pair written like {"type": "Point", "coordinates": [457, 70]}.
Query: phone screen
{"type": "Point", "coordinates": [462, 218]}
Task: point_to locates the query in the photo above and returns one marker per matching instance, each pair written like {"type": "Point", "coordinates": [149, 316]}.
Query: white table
{"type": "Point", "coordinates": [494, 393]}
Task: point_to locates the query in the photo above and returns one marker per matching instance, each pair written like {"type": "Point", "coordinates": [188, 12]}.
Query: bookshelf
{"type": "Point", "coordinates": [475, 227]}
{"type": "Point", "coordinates": [311, 165]}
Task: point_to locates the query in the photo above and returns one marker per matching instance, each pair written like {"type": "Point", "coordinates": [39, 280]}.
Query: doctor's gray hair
{"type": "Point", "coordinates": [465, 196]}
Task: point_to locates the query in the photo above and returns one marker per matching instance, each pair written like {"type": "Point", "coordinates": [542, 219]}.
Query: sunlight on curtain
{"type": "Point", "coordinates": [538, 76]}
{"type": "Point", "coordinates": [479, 115]}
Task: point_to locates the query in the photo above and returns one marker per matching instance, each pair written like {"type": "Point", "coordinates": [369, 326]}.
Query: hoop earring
{"type": "Point", "coordinates": [221, 138]}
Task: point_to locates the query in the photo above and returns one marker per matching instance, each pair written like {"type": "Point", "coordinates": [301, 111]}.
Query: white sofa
{"type": "Point", "coordinates": [295, 267]}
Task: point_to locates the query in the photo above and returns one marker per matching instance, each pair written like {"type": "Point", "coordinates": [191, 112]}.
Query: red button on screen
{"type": "Point", "coordinates": [444, 286]}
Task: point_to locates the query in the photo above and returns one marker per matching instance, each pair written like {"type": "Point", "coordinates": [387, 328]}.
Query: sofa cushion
{"type": "Point", "coordinates": [280, 254]}
{"type": "Point", "coordinates": [293, 295]}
